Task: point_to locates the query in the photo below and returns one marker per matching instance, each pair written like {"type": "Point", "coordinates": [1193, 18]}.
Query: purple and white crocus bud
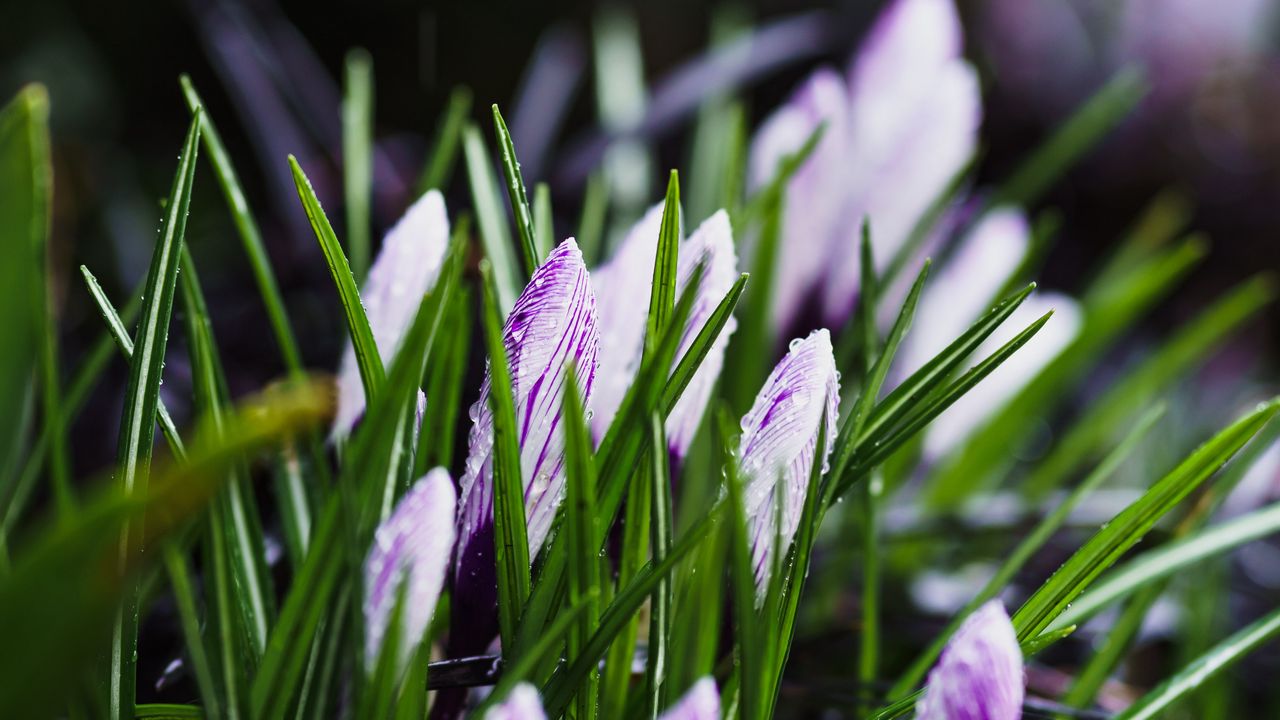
{"type": "Point", "coordinates": [522, 703]}
{"type": "Point", "coordinates": [552, 323]}
{"type": "Point", "coordinates": [779, 443]}
{"type": "Point", "coordinates": [701, 702]}
{"type": "Point", "coordinates": [414, 545]}
{"type": "Point", "coordinates": [623, 289]}
{"type": "Point", "coordinates": [979, 674]}
{"type": "Point", "coordinates": [405, 269]}
{"type": "Point", "coordinates": [897, 132]}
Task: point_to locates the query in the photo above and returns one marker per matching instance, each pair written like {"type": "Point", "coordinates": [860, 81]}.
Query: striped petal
{"type": "Point", "coordinates": [779, 441]}
{"type": "Point", "coordinates": [413, 545]}
{"type": "Point", "coordinates": [974, 408]}
{"type": "Point", "coordinates": [623, 289]}
{"type": "Point", "coordinates": [522, 703]}
{"type": "Point", "coordinates": [404, 271]}
{"type": "Point", "coordinates": [552, 323]}
{"type": "Point", "coordinates": [817, 195]}
{"type": "Point", "coordinates": [702, 702]}
{"type": "Point", "coordinates": [983, 261]}
{"type": "Point", "coordinates": [979, 675]}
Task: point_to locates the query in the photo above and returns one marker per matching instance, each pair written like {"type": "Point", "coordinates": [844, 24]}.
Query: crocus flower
{"type": "Point", "coordinates": [701, 702]}
{"type": "Point", "coordinates": [552, 323]}
{"type": "Point", "coordinates": [896, 133]}
{"type": "Point", "coordinates": [404, 271]}
{"type": "Point", "coordinates": [979, 674]}
{"type": "Point", "coordinates": [522, 703]}
{"type": "Point", "coordinates": [623, 288]}
{"type": "Point", "coordinates": [414, 546]}
{"type": "Point", "coordinates": [779, 442]}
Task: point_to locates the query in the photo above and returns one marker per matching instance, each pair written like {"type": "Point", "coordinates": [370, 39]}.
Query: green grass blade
{"type": "Point", "coordinates": [580, 523]}
{"type": "Point", "coordinates": [492, 222]}
{"type": "Point", "coordinates": [446, 371]}
{"type": "Point", "coordinates": [1032, 543]}
{"type": "Point", "coordinates": [372, 374]}
{"type": "Point", "coordinates": [179, 571]}
{"type": "Point", "coordinates": [1163, 562]}
{"type": "Point", "coordinates": [28, 340]}
{"type": "Point", "coordinates": [511, 538]}
{"type": "Point", "coordinates": [1221, 657]}
{"type": "Point", "coordinates": [689, 363]}
{"type": "Point", "coordinates": [444, 150]}
{"type": "Point", "coordinates": [161, 711]}
{"type": "Point", "coordinates": [1128, 527]}
{"type": "Point", "coordinates": [1107, 415]}
{"type": "Point", "coordinates": [595, 206]}
{"type": "Point", "coordinates": [529, 241]}
{"type": "Point", "coordinates": [137, 426]}
{"type": "Point", "coordinates": [660, 603]}
{"type": "Point", "coordinates": [357, 155]}
{"type": "Point", "coordinates": [750, 668]}
{"type": "Point", "coordinates": [1072, 140]}
{"type": "Point", "coordinates": [543, 218]}
{"type": "Point", "coordinates": [662, 299]}
{"type": "Point", "coordinates": [633, 554]}
{"type": "Point", "coordinates": [250, 236]}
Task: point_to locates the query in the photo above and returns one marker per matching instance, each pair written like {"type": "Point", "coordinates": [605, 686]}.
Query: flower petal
{"type": "Point", "coordinates": [552, 323]}
{"type": "Point", "coordinates": [405, 269]}
{"type": "Point", "coordinates": [984, 260]}
{"type": "Point", "coordinates": [522, 703]}
{"type": "Point", "coordinates": [973, 409]}
{"type": "Point", "coordinates": [979, 675]}
{"type": "Point", "coordinates": [817, 194]}
{"type": "Point", "coordinates": [702, 702]}
{"type": "Point", "coordinates": [779, 441]}
{"type": "Point", "coordinates": [415, 542]}
{"type": "Point", "coordinates": [623, 290]}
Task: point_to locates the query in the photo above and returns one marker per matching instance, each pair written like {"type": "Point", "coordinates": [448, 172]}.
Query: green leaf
{"type": "Point", "coordinates": [1128, 527]}
{"type": "Point", "coordinates": [357, 154]}
{"type": "Point", "coordinates": [519, 197]}
{"type": "Point", "coordinates": [660, 604]}
{"type": "Point", "coordinates": [137, 425]}
{"type": "Point", "coordinates": [1220, 658]}
{"type": "Point", "coordinates": [158, 711]}
{"type": "Point", "coordinates": [1032, 543]}
{"type": "Point", "coordinates": [492, 222]}
{"type": "Point", "coordinates": [748, 637]}
{"type": "Point", "coordinates": [1086, 126]}
{"type": "Point", "coordinates": [372, 374]}
{"type": "Point", "coordinates": [180, 581]}
{"type": "Point", "coordinates": [27, 178]}
{"type": "Point", "coordinates": [595, 205]}
{"type": "Point", "coordinates": [632, 555]}
{"type": "Point", "coordinates": [662, 298]}
{"type": "Point", "coordinates": [446, 371]}
{"type": "Point", "coordinates": [444, 150]}
{"type": "Point", "coordinates": [580, 523]}
{"type": "Point", "coordinates": [511, 535]}
{"type": "Point", "coordinates": [543, 218]}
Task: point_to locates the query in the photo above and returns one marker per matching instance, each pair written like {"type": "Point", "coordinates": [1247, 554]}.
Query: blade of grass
{"type": "Point", "coordinates": [137, 426]}
{"type": "Point", "coordinates": [446, 370]}
{"type": "Point", "coordinates": [519, 197]}
{"type": "Point", "coordinates": [543, 218]}
{"type": "Point", "coordinates": [511, 538]}
{"type": "Point", "coordinates": [662, 299]}
{"type": "Point", "coordinates": [444, 149]}
{"type": "Point", "coordinates": [633, 554]}
{"type": "Point", "coordinates": [1128, 527]}
{"type": "Point", "coordinates": [179, 571]}
{"type": "Point", "coordinates": [595, 206]}
{"type": "Point", "coordinates": [747, 627]}
{"type": "Point", "coordinates": [1032, 543]}
{"type": "Point", "coordinates": [580, 521]}
{"type": "Point", "coordinates": [1221, 657]}
{"type": "Point", "coordinates": [357, 155]}
{"type": "Point", "coordinates": [660, 602]}
{"type": "Point", "coordinates": [492, 222]}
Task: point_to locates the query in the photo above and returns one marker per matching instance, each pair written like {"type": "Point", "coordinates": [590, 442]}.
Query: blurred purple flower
{"type": "Point", "coordinates": [979, 675]}
{"type": "Point", "coordinates": [553, 322]}
{"type": "Point", "coordinates": [413, 545]}
{"type": "Point", "coordinates": [623, 288]}
{"type": "Point", "coordinates": [522, 703]}
{"type": "Point", "coordinates": [779, 441]}
{"type": "Point", "coordinates": [405, 270]}
{"type": "Point", "coordinates": [701, 702]}
{"type": "Point", "coordinates": [896, 134]}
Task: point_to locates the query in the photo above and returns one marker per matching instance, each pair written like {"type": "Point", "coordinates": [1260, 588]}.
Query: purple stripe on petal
{"type": "Point", "coordinates": [522, 703]}
{"type": "Point", "coordinates": [552, 323]}
{"type": "Point", "coordinates": [979, 674]}
{"type": "Point", "coordinates": [702, 702]}
{"type": "Point", "coordinates": [779, 441]}
{"type": "Point", "coordinates": [416, 543]}
{"type": "Point", "coordinates": [405, 269]}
